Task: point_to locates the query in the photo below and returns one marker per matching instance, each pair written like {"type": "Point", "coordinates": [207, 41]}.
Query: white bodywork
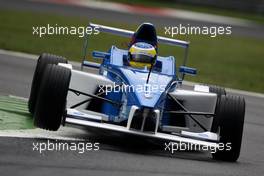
{"type": "Point", "coordinates": [85, 82]}
{"type": "Point", "coordinates": [88, 83]}
{"type": "Point", "coordinates": [200, 100]}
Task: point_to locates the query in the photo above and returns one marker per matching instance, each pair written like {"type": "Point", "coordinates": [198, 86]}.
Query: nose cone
{"type": "Point", "coordinates": [147, 94]}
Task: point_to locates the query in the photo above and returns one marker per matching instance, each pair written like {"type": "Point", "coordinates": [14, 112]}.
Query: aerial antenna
{"type": "Point", "coordinates": [150, 69]}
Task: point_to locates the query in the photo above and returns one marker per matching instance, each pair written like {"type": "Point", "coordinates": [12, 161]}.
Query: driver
{"type": "Point", "coordinates": [141, 55]}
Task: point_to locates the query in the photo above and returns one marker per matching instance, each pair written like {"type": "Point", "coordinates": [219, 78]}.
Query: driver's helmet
{"type": "Point", "coordinates": [141, 55]}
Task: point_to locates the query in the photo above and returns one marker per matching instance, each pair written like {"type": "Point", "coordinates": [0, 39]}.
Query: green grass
{"type": "Point", "coordinates": [259, 18]}
{"type": "Point", "coordinates": [14, 114]}
{"type": "Point", "coordinates": [230, 61]}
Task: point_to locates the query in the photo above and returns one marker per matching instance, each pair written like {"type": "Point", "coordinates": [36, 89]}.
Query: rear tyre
{"type": "Point", "coordinates": [43, 60]}
{"type": "Point", "coordinates": [229, 121]}
{"type": "Point", "coordinates": [51, 103]}
{"type": "Point", "coordinates": [218, 90]}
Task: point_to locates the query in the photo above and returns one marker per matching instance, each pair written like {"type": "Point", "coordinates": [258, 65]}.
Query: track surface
{"type": "Point", "coordinates": [118, 155]}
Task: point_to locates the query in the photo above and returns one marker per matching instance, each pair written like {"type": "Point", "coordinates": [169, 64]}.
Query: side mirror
{"type": "Point", "coordinates": [100, 55]}
{"type": "Point", "coordinates": [187, 70]}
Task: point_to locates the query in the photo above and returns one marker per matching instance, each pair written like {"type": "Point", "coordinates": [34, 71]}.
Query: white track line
{"type": "Point", "coordinates": [17, 97]}
{"type": "Point", "coordinates": [63, 134]}
{"type": "Point", "coordinates": [32, 56]}
{"type": "Point", "coordinates": [29, 56]}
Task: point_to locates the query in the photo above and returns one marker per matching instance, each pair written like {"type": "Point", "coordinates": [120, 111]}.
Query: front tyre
{"type": "Point", "coordinates": [51, 103]}
{"type": "Point", "coordinates": [229, 121]}
{"type": "Point", "coordinates": [43, 60]}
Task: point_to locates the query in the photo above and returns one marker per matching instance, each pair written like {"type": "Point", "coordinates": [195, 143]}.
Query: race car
{"type": "Point", "coordinates": [137, 92]}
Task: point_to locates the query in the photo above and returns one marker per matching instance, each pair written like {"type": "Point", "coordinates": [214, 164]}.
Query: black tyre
{"type": "Point", "coordinates": [43, 60]}
{"type": "Point", "coordinates": [51, 103]}
{"type": "Point", "coordinates": [218, 90]}
{"type": "Point", "coordinates": [229, 121]}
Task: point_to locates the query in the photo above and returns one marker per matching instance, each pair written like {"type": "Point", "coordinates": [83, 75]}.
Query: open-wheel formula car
{"type": "Point", "coordinates": [137, 92]}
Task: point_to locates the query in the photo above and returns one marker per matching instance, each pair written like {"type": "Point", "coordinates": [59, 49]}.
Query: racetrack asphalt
{"type": "Point", "coordinates": [120, 155]}
{"type": "Point", "coordinates": [112, 16]}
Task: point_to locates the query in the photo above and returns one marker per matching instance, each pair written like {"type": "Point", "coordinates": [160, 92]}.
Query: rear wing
{"type": "Point", "coordinates": [129, 34]}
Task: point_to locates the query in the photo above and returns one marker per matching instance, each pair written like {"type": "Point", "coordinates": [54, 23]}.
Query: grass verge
{"type": "Point", "coordinates": [230, 61]}
{"type": "Point", "coordinates": [14, 114]}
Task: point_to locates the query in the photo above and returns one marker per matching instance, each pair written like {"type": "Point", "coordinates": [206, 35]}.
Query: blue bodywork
{"type": "Point", "coordinates": [152, 95]}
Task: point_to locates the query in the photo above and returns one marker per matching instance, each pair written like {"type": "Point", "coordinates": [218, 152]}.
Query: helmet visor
{"type": "Point", "coordinates": [141, 58]}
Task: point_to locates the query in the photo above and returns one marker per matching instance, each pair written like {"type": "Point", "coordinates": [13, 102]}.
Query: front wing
{"type": "Point", "coordinates": [96, 121]}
